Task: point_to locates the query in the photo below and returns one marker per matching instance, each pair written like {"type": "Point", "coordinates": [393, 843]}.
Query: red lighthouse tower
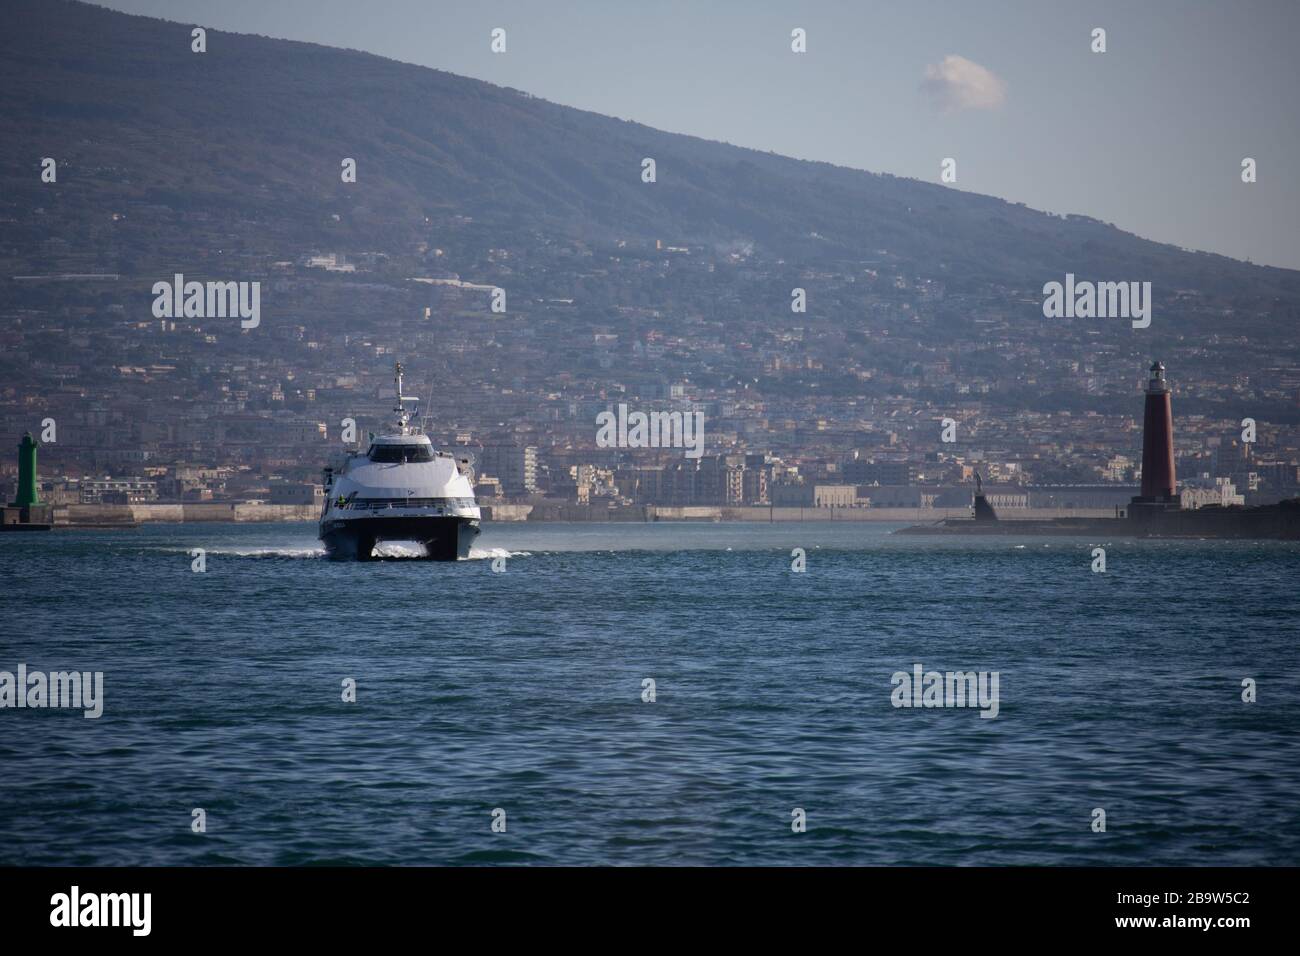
{"type": "Point", "coordinates": [1159, 487]}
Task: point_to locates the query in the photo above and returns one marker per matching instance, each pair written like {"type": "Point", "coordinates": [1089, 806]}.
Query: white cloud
{"type": "Point", "coordinates": [956, 83]}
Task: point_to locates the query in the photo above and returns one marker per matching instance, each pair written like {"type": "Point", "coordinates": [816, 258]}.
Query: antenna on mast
{"type": "Point", "coordinates": [403, 417]}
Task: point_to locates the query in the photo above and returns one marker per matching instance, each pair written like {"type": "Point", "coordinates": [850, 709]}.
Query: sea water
{"type": "Point", "coordinates": [650, 694]}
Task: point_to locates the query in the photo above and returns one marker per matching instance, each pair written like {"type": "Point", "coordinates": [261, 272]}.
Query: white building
{"type": "Point", "coordinates": [1223, 493]}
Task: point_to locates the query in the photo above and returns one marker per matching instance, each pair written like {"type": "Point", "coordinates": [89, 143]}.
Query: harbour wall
{"type": "Point", "coordinates": [108, 516]}
{"type": "Point", "coordinates": [565, 512]}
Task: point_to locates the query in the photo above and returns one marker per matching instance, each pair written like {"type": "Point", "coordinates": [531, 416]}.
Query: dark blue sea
{"type": "Point", "coordinates": [521, 691]}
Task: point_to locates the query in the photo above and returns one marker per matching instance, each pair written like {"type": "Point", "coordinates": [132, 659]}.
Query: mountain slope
{"type": "Point", "coordinates": [254, 131]}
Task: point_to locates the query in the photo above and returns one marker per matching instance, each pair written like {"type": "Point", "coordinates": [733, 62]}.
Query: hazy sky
{"type": "Point", "coordinates": [1149, 135]}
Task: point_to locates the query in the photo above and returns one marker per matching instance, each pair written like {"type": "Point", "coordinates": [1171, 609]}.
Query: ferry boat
{"type": "Point", "coordinates": [400, 489]}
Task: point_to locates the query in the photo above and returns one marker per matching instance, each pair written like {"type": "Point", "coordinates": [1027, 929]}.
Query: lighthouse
{"type": "Point", "coordinates": [26, 473]}
{"type": "Point", "coordinates": [26, 513]}
{"type": "Point", "coordinates": [1159, 486]}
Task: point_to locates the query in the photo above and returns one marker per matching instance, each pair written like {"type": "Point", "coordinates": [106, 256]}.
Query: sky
{"type": "Point", "coordinates": [1149, 135]}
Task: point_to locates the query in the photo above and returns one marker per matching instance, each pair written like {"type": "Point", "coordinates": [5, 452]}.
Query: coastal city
{"type": "Point", "coordinates": [855, 388]}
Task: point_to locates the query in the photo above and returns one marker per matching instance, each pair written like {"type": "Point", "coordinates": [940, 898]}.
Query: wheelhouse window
{"type": "Point", "coordinates": [395, 454]}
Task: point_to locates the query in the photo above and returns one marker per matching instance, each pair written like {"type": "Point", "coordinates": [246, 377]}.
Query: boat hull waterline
{"type": "Point", "coordinates": [446, 538]}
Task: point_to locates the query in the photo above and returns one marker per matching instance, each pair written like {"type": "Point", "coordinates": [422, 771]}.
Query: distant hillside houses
{"type": "Point", "coordinates": [330, 262]}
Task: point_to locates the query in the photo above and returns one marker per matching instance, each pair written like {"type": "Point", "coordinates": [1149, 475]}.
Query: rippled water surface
{"type": "Point", "coordinates": [522, 690]}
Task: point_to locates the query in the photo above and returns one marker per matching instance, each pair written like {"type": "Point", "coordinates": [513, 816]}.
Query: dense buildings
{"type": "Point", "coordinates": [844, 408]}
{"type": "Point", "coordinates": [856, 393]}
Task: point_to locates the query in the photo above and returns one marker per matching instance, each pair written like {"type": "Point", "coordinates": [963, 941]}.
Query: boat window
{"type": "Point", "coordinates": [394, 454]}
